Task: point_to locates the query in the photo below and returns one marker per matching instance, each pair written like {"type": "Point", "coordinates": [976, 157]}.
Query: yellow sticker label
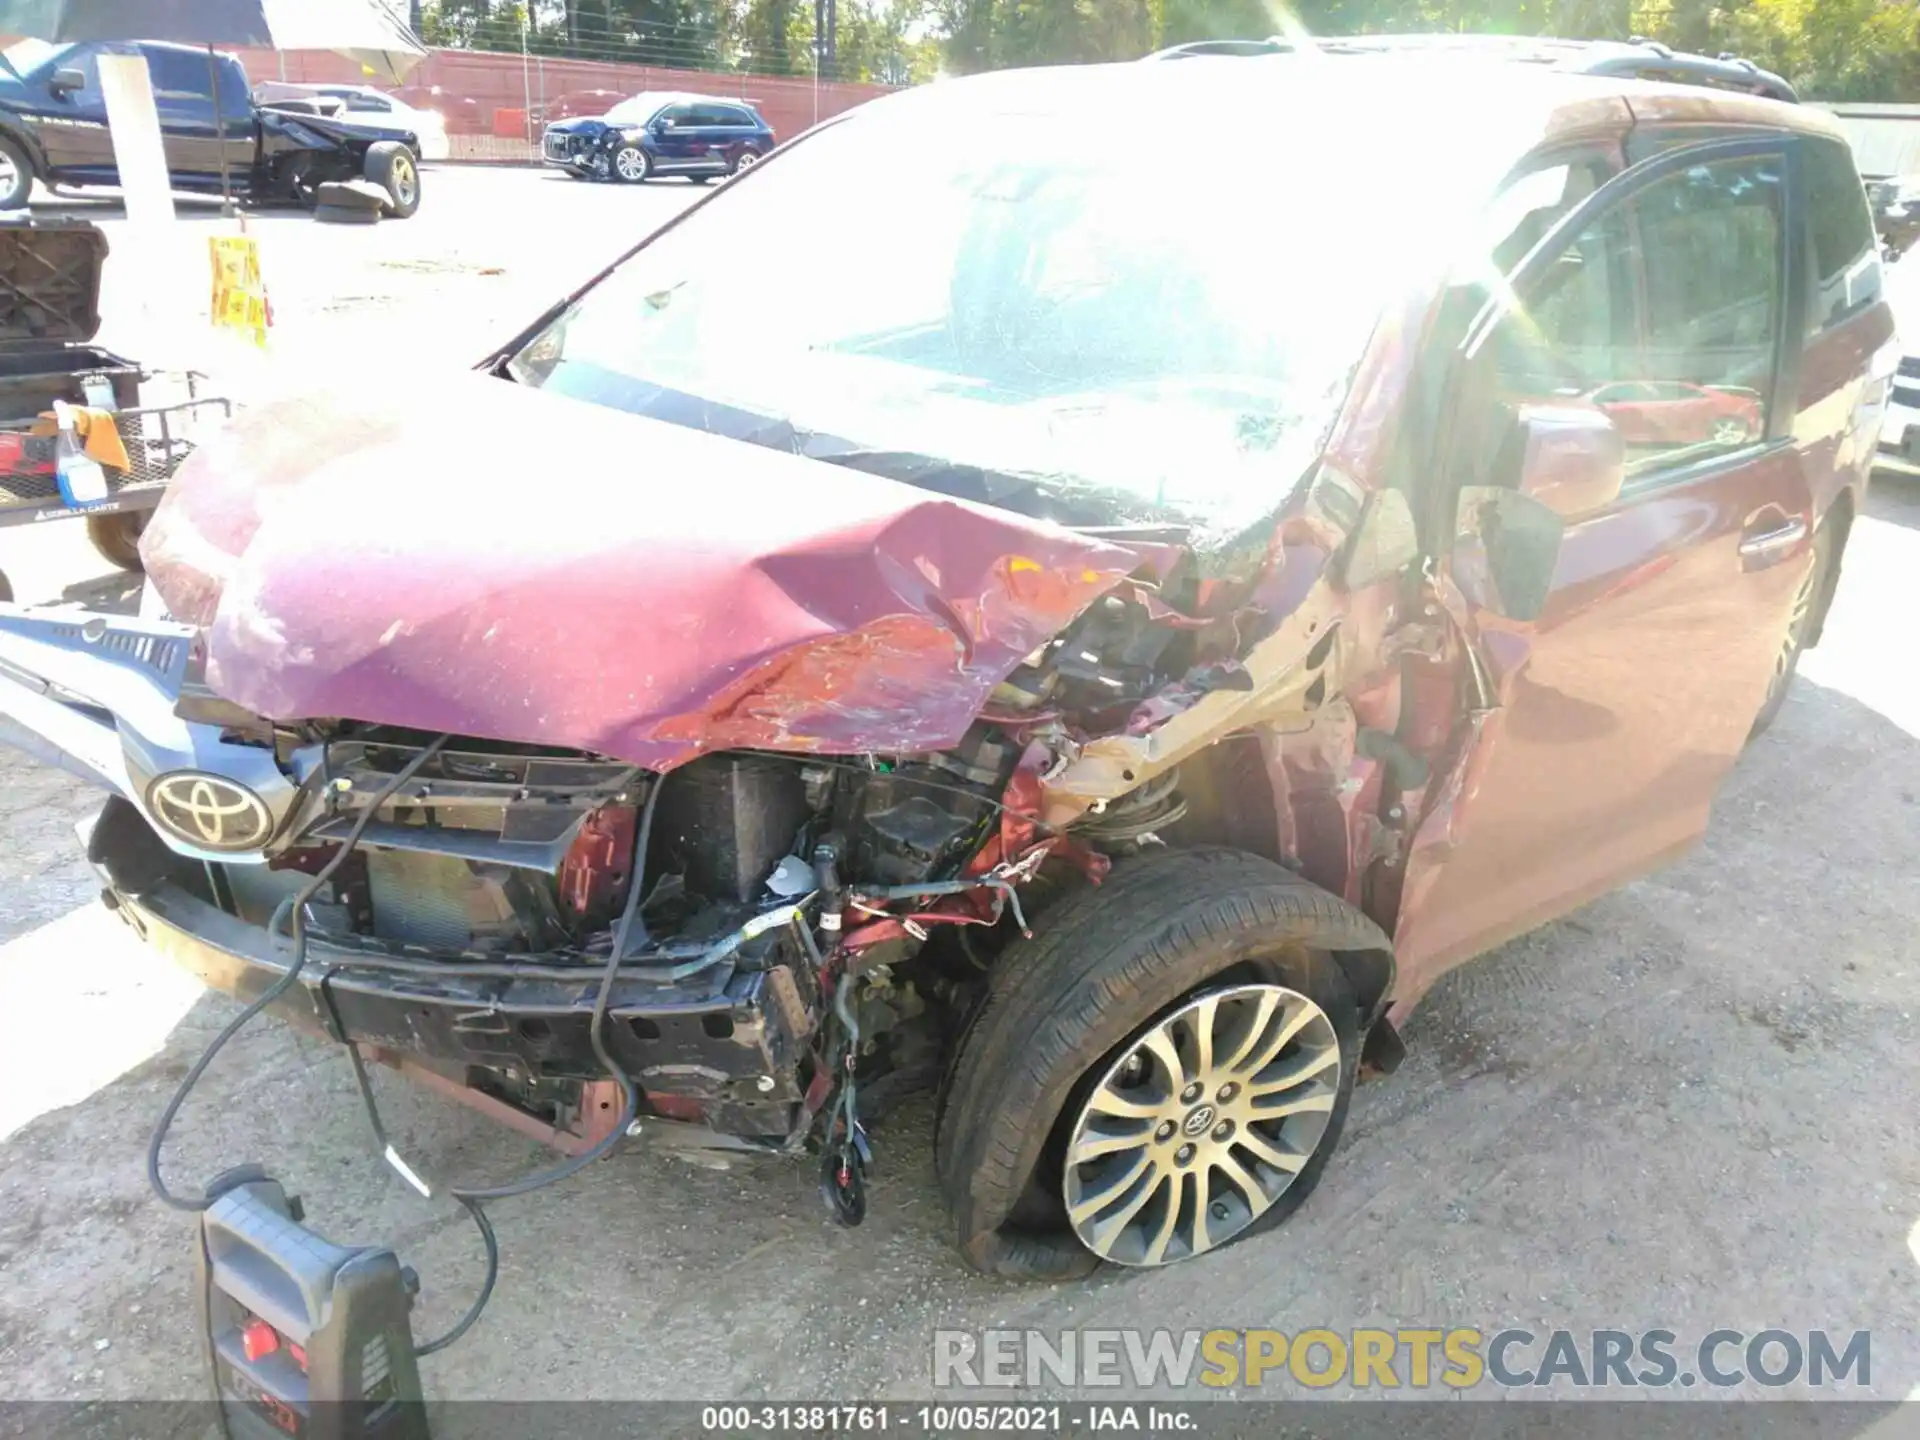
{"type": "Point", "coordinates": [239, 294]}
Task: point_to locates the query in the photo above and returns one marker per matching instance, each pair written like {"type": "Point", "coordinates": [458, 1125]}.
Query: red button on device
{"type": "Point", "coordinates": [259, 1338]}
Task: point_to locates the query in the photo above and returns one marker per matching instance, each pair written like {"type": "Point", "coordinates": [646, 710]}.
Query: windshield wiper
{"type": "Point", "coordinates": [1063, 499]}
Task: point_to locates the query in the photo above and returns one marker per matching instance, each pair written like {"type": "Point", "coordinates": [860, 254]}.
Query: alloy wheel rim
{"type": "Point", "coordinates": [747, 157]}
{"type": "Point", "coordinates": [404, 181]}
{"type": "Point", "coordinates": [631, 163]}
{"type": "Point", "coordinates": [1729, 430]}
{"type": "Point", "coordinates": [1203, 1123]}
{"type": "Point", "coordinates": [9, 174]}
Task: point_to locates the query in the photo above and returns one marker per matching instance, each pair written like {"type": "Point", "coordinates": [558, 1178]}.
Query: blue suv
{"type": "Point", "coordinates": [660, 133]}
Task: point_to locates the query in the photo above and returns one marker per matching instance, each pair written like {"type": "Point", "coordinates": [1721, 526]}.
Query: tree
{"type": "Point", "coordinates": [877, 40]}
{"type": "Point", "coordinates": [685, 33]}
{"type": "Point", "coordinates": [1832, 49]}
{"type": "Point", "coordinates": [774, 37]}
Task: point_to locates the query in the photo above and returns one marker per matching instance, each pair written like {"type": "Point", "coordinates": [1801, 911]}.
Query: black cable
{"type": "Point", "coordinates": [471, 1196]}
{"type": "Point", "coordinates": [279, 987]}
{"type": "Point", "coordinates": [465, 1322]}
{"type": "Point", "coordinates": [630, 1108]}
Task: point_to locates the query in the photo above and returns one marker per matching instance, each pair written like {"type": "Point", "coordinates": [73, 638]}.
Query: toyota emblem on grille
{"type": "Point", "coordinates": [209, 812]}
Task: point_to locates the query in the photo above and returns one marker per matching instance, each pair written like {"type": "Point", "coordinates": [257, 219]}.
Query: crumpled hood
{"type": "Point", "coordinates": [586, 125]}
{"type": "Point", "coordinates": [476, 557]}
{"type": "Point", "coordinates": [336, 127]}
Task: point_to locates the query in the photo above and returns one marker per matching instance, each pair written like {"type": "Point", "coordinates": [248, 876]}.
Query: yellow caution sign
{"type": "Point", "coordinates": [239, 295]}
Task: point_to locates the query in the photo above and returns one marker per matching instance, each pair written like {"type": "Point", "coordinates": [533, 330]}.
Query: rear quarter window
{"type": "Point", "coordinates": [716, 115]}
{"type": "Point", "coordinates": [1846, 256]}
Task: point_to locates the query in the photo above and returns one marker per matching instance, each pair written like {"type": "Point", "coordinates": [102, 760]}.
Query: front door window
{"type": "Point", "coordinates": [1664, 316]}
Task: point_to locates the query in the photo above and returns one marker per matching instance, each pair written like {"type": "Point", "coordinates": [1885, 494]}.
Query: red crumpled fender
{"type": "Point", "coordinates": [481, 558]}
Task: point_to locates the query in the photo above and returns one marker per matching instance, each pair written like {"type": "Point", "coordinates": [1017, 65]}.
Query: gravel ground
{"type": "Point", "coordinates": [1691, 1105]}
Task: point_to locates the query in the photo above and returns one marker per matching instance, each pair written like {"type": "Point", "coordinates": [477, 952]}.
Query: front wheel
{"type": "Point", "coordinates": [117, 536]}
{"type": "Point", "coordinates": [390, 165]}
{"type": "Point", "coordinates": [1162, 1071]}
{"type": "Point", "coordinates": [631, 164]}
{"type": "Point", "coordinates": [1801, 619]}
{"type": "Point", "coordinates": [16, 175]}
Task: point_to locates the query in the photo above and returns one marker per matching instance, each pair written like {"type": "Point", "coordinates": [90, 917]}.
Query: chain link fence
{"type": "Point", "coordinates": [496, 105]}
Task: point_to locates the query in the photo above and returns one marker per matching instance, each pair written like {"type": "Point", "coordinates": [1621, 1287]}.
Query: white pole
{"type": "Point", "coordinates": [133, 125]}
{"type": "Point", "coordinates": [146, 281]}
{"type": "Point", "coordinates": [526, 79]}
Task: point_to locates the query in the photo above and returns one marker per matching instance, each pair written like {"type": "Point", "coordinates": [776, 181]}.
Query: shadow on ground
{"type": "Point", "coordinates": [1894, 497]}
{"type": "Point", "coordinates": [117, 593]}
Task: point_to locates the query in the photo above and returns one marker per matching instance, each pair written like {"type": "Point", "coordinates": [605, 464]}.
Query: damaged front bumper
{"type": "Point", "coordinates": [99, 696]}
{"type": "Point", "coordinates": [730, 1042]}
{"type": "Point", "coordinates": [576, 154]}
{"type": "Point", "coordinates": [710, 1030]}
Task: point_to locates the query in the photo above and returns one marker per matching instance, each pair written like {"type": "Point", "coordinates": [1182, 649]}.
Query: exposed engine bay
{"type": "Point", "coordinates": [796, 909]}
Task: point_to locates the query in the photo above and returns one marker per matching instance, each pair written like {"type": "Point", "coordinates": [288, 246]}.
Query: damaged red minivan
{"type": "Point", "coordinates": [1095, 631]}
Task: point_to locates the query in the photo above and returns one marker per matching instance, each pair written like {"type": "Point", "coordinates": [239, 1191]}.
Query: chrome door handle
{"type": "Point", "coordinates": [1769, 543]}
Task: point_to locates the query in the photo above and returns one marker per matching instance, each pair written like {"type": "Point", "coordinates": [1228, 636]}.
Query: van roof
{"type": "Point", "coordinates": [1636, 58]}
{"type": "Point", "coordinates": [1405, 86]}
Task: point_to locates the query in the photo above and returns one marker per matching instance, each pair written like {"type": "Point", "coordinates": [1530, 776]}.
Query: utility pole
{"type": "Point", "coordinates": [526, 77]}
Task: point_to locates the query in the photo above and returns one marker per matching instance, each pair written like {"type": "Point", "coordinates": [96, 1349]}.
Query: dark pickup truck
{"type": "Point", "coordinates": [53, 128]}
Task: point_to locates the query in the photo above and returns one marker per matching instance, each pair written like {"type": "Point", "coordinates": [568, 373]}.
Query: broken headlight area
{"type": "Point", "coordinates": [795, 910]}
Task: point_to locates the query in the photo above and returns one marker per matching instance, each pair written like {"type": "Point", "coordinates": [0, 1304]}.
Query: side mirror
{"type": "Point", "coordinates": [661, 126]}
{"type": "Point", "coordinates": [1569, 457]}
{"type": "Point", "coordinates": [1557, 463]}
{"type": "Point", "coordinates": [1507, 547]}
{"type": "Point", "coordinates": [65, 82]}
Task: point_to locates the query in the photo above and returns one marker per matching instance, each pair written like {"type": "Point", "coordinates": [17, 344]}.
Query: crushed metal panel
{"type": "Point", "coordinates": [481, 558]}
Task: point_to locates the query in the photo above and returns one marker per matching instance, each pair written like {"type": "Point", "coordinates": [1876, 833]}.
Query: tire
{"type": "Point", "coordinates": [391, 166]}
{"type": "Point", "coordinates": [6, 590]}
{"type": "Point", "coordinates": [1106, 966]}
{"type": "Point", "coordinates": [631, 165]}
{"type": "Point", "coordinates": [16, 175]}
{"type": "Point", "coordinates": [745, 160]}
{"type": "Point", "coordinates": [346, 215]}
{"type": "Point", "coordinates": [117, 537]}
{"type": "Point", "coordinates": [1804, 617]}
